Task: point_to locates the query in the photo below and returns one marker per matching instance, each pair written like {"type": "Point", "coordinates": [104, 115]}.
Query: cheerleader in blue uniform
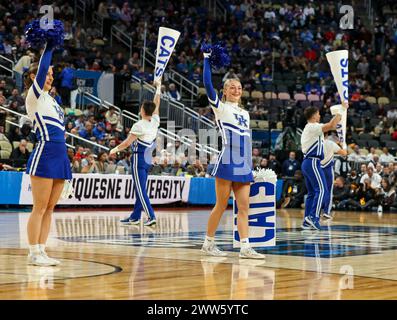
{"type": "Point", "coordinates": [48, 165]}
{"type": "Point", "coordinates": [142, 138]}
{"type": "Point", "coordinates": [312, 141]}
{"type": "Point", "coordinates": [233, 169]}
{"type": "Point", "coordinates": [327, 164]}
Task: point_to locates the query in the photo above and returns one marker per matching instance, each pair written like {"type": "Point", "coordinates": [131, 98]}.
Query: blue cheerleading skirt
{"type": "Point", "coordinates": [49, 160]}
{"type": "Point", "coordinates": [232, 166]}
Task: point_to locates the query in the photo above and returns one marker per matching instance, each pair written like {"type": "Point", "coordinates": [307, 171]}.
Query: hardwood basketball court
{"type": "Point", "coordinates": [355, 258]}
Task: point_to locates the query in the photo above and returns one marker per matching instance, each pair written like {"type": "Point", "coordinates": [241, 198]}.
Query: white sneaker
{"type": "Point", "coordinates": [212, 250]}
{"type": "Point", "coordinates": [150, 222]}
{"type": "Point", "coordinates": [327, 216]}
{"type": "Point", "coordinates": [54, 261]}
{"type": "Point", "coordinates": [40, 260]}
{"type": "Point", "coordinates": [249, 253]}
{"type": "Point", "coordinates": [380, 209]}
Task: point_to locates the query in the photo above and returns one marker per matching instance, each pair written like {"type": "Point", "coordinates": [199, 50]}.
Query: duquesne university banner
{"type": "Point", "coordinates": [113, 189]}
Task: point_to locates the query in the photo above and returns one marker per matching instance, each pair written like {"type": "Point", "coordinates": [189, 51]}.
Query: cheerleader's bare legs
{"type": "Point", "coordinates": [46, 193]}
{"type": "Point", "coordinates": [241, 191]}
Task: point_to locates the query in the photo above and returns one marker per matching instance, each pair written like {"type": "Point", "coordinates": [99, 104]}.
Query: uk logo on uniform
{"type": "Point", "coordinates": [60, 112]}
{"type": "Point", "coordinates": [241, 120]}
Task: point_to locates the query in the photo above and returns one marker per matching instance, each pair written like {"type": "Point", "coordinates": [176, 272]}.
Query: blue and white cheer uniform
{"type": "Point", "coordinates": [235, 160]}
{"type": "Point", "coordinates": [49, 158]}
{"type": "Point", "coordinates": [141, 160]}
{"type": "Point", "coordinates": [312, 141]}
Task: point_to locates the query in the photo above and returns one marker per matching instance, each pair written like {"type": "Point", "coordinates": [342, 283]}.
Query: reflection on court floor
{"type": "Point", "coordinates": [354, 257]}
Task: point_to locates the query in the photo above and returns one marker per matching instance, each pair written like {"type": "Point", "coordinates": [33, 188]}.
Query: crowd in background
{"type": "Point", "coordinates": [297, 36]}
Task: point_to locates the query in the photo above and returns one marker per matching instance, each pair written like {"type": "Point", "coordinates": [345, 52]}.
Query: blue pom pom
{"type": "Point", "coordinates": [219, 57]}
{"type": "Point", "coordinates": [38, 37]}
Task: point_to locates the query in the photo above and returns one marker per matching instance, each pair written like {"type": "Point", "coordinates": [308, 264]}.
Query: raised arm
{"type": "Point", "coordinates": [157, 97]}
{"type": "Point", "coordinates": [212, 96]}
{"type": "Point", "coordinates": [42, 71]}
{"type": "Point", "coordinates": [332, 124]}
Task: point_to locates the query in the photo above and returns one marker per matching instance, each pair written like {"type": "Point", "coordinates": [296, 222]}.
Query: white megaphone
{"type": "Point", "coordinates": [166, 43]}
{"type": "Point", "coordinates": [339, 63]}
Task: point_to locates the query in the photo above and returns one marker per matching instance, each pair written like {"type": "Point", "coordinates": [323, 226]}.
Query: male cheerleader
{"type": "Point", "coordinates": [142, 140]}
{"type": "Point", "coordinates": [327, 164]}
{"type": "Point", "coordinates": [312, 141]}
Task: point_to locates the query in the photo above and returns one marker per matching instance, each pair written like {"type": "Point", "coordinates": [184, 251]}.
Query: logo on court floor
{"type": "Point", "coordinates": [338, 241]}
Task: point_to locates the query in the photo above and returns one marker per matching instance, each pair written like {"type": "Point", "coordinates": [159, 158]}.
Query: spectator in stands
{"type": "Point", "coordinates": [176, 169]}
{"type": "Point", "coordinates": [190, 172]}
{"type": "Point", "coordinates": [340, 192]}
{"type": "Point", "coordinates": [392, 113]}
{"type": "Point", "coordinates": [374, 162]}
{"type": "Point", "coordinates": [135, 62]}
{"type": "Point", "coordinates": [294, 191]}
{"type": "Point", "coordinates": [125, 162]}
{"type": "Point", "coordinates": [17, 98]}
{"type": "Point", "coordinates": [363, 66]}
{"type": "Point", "coordinates": [114, 12]}
{"type": "Point", "coordinates": [370, 191]}
{"type": "Point", "coordinates": [353, 178]}
{"type": "Point", "coordinates": [362, 105]}
{"type": "Point", "coordinates": [386, 157]}
{"type": "Point", "coordinates": [67, 78]}
{"type": "Point", "coordinates": [290, 165]}
{"type": "Point", "coordinates": [99, 131]}
{"type": "Point", "coordinates": [13, 134]}
{"type": "Point", "coordinates": [103, 10]}
{"type": "Point", "coordinates": [87, 132]}
{"type": "Point", "coordinates": [71, 154]}
{"type": "Point", "coordinates": [88, 164]}
{"type": "Point", "coordinates": [22, 65]}
{"type": "Point", "coordinates": [90, 111]}
{"type": "Point", "coordinates": [198, 168]}
{"type": "Point", "coordinates": [79, 123]}
{"type": "Point", "coordinates": [263, 164]}
{"type": "Point", "coordinates": [342, 166]}
{"type": "Point", "coordinates": [385, 172]}
{"type": "Point", "coordinates": [274, 164]}
{"type": "Point", "coordinates": [355, 156]}
{"type": "Point", "coordinates": [352, 201]}
{"type": "Point", "coordinates": [111, 116]}
{"type": "Point", "coordinates": [196, 77]}
{"type": "Point", "coordinates": [26, 132]}
{"type": "Point", "coordinates": [173, 93]}
{"type": "Point", "coordinates": [387, 195]}
{"type": "Point", "coordinates": [155, 169]}
{"type": "Point", "coordinates": [2, 99]}
{"type": "Point", "coordinates": [119, 61]}
{"type": "Point", "coordinates": [371, 154]}
{"type": "Point", "coordinates": [373, 178]}
{"type": "Point", "coordinates": [20, 155]}
{"type": "Point", "coordinates": [363, 170]}
{"type": "Point", "coordinates": [256, 156]}
{"type": "Point", "coordinates": [379, 169]}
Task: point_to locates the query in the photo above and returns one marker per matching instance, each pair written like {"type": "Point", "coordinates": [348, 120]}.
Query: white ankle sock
{"type": "Point", "coordinates": [245, 243]}
{"type": "Point", "coordinates": [34, 249]}
{"type": "Point", "coordinates": [42, 247]}
{"type": "Point", "coordinates": [209, 240]}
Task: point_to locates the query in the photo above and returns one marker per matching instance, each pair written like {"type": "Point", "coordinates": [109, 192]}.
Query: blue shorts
{"type": "Point", "coordinates": [49, 160]}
